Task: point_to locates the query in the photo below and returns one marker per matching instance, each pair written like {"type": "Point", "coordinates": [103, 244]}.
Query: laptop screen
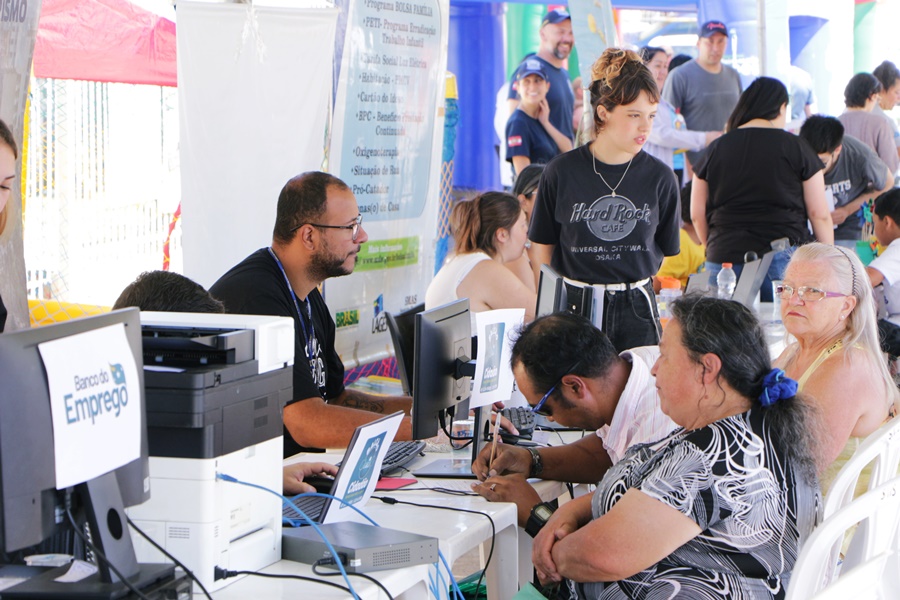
{"type": "Point", "coordinates": [752, 276]}
{"type": "Point", "coordinates": [360, 469]}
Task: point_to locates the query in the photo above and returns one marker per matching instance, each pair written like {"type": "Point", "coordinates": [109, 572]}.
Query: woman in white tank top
{"type": "Point", "coordinates": [490, 231]}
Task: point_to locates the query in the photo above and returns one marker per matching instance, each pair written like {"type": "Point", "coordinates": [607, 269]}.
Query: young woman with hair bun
{"type": "Point", "coordinates": [490, 231]}
{"type": "Point", "coordinates": [607, 213]}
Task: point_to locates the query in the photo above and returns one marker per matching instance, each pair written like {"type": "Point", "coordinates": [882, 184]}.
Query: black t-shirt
{"type": "Point", "coordinates": [600, 238]}
{"type": "Point", "coordinates": [755, 178]}
{"type": "Point", "coordinates": [256, 286]}
{"type": "Point", "coordinates": [527, 137]}
{"type": "Point", "coordinates": [2, 315]}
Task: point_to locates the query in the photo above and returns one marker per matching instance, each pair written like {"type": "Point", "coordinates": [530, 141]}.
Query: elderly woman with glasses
{"type": "Point", "coordinates": [834, 354]}
{"type": "Point", "coordinates": [717, 509]}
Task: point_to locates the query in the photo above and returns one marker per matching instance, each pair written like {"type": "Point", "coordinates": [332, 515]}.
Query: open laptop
{"type": "Point", "coordinates": [752, 276]}
{"type": "Point", "coordinates": [356, 479]}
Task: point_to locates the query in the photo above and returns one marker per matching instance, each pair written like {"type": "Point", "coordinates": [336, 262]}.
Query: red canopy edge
{"type": "Point", "coordinates": [104, 40]}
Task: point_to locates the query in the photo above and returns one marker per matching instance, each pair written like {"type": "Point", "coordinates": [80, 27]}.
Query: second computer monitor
{"type": "Point", "coordinates": [557, 294]}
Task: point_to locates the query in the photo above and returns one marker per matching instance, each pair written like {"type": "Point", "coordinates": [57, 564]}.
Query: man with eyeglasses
{"type": "Point", "coordinates": [318, 234]}
{"type": "Point", "coordinates": [569, 371]}
{"type": "Point", "coordinates": [853, 175]}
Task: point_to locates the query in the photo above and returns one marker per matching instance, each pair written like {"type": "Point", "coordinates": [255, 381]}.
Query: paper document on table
{"type": "Point", "coordinates": [493, 374]}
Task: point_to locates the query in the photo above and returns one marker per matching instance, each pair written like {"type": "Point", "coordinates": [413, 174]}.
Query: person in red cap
{"type": "Point", "coordinates": [556, 45]}
{"type": "Point", "coordinates": [703, 90]}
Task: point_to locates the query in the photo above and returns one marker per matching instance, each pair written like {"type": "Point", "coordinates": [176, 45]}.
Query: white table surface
{"type": "Point", "coordinates": [457, 533]}
{"type": "Point", "coordinates": [403, 584]}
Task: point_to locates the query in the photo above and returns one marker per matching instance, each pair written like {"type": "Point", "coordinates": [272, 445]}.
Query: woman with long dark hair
{"type": "Point", "coordinates": [607, 213]}
{"type": "Point", "coordinates": [757, 184]}
{"type": "Point", "coordinates": [720, 507]}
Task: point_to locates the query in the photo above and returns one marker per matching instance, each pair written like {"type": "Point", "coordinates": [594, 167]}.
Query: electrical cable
{"type": "Point", "coordinates": [187, 571]}
{"type": "Point", "coordinates": [229, 478]}
{"type": "Point", "coordinates": [102, 556]}
{"type": "Point", "coordinates": [487, 563]}
{"type": "Point", "coordinates": [227, 574]}
{"type": "Point", "coordinates": [440, 554]}
{"type": "Point", "coordinates": [321, 562]}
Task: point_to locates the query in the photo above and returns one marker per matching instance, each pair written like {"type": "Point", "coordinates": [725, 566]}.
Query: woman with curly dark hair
{"type": "Point", "coordinates": [607, 213]}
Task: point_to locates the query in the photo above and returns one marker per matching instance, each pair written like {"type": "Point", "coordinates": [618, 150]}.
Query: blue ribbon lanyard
{"type": "Point", "coordinates": [307, 328]}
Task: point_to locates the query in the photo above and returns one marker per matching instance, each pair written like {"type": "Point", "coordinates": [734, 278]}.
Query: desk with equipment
{"type": "Point", "coordinates": [457, 532]}
{"type": "Point", "coordinates": [209, 419]}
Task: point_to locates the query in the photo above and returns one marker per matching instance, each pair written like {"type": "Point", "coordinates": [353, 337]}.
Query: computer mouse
{"type": "Point", "coordinates": [322, 483]}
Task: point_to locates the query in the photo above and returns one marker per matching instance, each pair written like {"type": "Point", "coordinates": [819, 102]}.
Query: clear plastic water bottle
{"type": "Point", "coordinates": [670, 289]}
{"type": "Point", "coordinates": [726, 281]}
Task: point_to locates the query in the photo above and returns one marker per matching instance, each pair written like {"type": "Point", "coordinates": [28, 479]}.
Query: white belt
{"type": "Point", "coordinates": [620, 287]}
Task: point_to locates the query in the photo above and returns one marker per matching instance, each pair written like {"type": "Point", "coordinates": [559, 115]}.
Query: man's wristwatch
{"type": "Point", "coordinates": [537, 464]}
{"type": "Point", "coordinates": [540, 514]}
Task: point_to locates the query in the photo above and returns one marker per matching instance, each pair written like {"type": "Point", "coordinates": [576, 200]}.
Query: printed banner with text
{"type": "Point", "coordinates": [388, 130]}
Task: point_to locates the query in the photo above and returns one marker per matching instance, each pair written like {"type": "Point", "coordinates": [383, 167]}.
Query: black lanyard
{"type": "Point", "coordinates": [306, 323]}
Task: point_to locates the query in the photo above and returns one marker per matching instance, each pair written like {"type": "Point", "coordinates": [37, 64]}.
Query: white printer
{"type": "Point", "coordinates": [216, 385]}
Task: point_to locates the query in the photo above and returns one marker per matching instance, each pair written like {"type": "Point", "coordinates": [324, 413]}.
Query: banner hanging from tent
{"type": "Point", "coordinates": [255, 100]}
{"type": "Point", "coordinates": [386, 146]}
{"type": "Point", "coordinates": [595, 31]}
{"type": "Point", "coordinates": [18, 30]}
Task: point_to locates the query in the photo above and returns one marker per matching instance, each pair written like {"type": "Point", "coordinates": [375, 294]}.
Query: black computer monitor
{"type": "Point", "coordinates": [443, 372]}
{"type": "Point", "coordinates": [442, 369]}
{"type": "Point", "coordinates": [556, 294]}
{"type": "Point", "coordinates": [402, 328]}
{"type": "Point", "coordinates": [31, 506]}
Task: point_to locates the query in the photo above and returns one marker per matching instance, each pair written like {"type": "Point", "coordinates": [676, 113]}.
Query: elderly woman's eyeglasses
{"type": "Point", "coordinates": [805, 293]}
{"type": "Point", "coordinates": [539, 408]}
{"type": "Point", "coordinates": [354, 228]}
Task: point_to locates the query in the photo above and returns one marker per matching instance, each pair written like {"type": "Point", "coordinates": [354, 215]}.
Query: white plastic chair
{"type": "Point", "coordinates": [881, 449]}
{"type": "Point", "coordinates": [871, 572]}
{"type": "Point", "coordinates": [865, 582]}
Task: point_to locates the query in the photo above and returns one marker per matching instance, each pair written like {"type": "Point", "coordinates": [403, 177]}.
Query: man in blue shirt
{"type": "Point", "coordinates": [556, 45]}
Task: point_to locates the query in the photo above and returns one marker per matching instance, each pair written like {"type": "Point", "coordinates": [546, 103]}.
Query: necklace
{"type": "Point", "coordinates": [611, 188]}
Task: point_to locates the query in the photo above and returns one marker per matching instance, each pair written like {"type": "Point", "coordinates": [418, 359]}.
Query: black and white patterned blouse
{"type": "Point", "coordinates": [730, 477]}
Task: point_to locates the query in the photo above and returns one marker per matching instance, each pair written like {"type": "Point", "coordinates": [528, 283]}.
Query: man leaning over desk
{"type": "Point", "coordinates": [569, 371]}
{"type": "Point", "coordinates": [318, 234]}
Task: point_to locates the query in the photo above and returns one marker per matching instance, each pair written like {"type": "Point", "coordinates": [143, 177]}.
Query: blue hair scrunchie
{"type": "Point", "coordinates": [777, 387]}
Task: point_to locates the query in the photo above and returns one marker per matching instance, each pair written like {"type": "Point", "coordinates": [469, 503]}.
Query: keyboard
{"type": "Point", "coordinates": [399, 454]}
{"type": "Point", "coordinates": [522, 419]}
{"type": "Point", "coordinates": [310, 505]}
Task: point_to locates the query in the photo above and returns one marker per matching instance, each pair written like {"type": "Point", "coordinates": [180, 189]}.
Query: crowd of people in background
{"type": "Point", "coordinates": [756, 171]}
{"type": "Point", "coordinates": [683, 170]}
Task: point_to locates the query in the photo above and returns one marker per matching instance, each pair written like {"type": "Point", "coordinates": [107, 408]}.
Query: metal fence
{"type": "Point", "coordinates": [102, 187]}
